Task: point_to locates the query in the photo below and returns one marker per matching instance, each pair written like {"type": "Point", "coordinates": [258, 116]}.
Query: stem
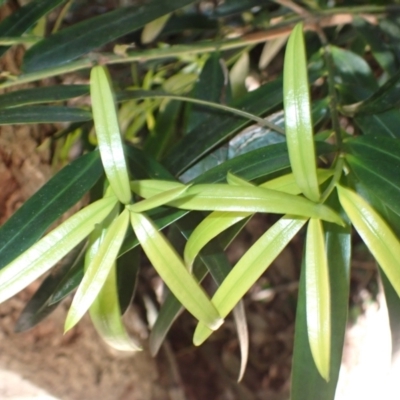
{"type": "Point", "coordinates": [335, 179]}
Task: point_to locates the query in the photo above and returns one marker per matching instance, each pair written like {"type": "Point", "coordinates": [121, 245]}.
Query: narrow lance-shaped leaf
{"type": "Point", "coordinates": [249, 268]}
{"type": "Point", "coordinates": [318, 301]}
{"type": "Point", "coordinates": [49, 250]}
{"type": "Point", "coordinates": [108, 134]}
{"type": "Point", "coordinates": [21, 20]}
{"type": "Point", "coordinates": [298, 122]}
{"type": "Point", "coordinates": [221, 197]}
{"type": "Point", "coordinates": [218, 221]}
{"type": "Point", "coordinates": [375, 232]}
{"type": "Point", "coordinates": [55, 197]}
{"type": "Point", "coordinates": [98, 270]}
{"type": "Point", "coordinates": [307, 383]}
{"type": "Point", "coordinates": [85, 36]}
{"type": "Point", "coordinates": [105, 311]}
{"type": "Point", "coordinates": [43, 114]}
{"type": "Point", "coordinates": [173, 272]}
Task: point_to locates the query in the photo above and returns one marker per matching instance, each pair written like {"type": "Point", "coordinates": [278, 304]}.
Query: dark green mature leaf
{"type": "Point", "coordinates": [29, 223]}
{"type": "Point", "coordinates": [43, 114]}
{"type": "Point", "coordinates": [385, 124]}
{"type": "Point", "coordinates": [21, 20]}
{"type": "Point", "coordinates": [210, 86]}
{"type": "Point", "coordinates": [355, 79]}
{"type": "Point", "coordinates": [217, 129]}
{"type": "Point", "coordinates": [39, 307]}
{"type": "Point", "coordinates": [42, 95]}
{"type": "Point", "coordinates": [375, 38]}
{"type": "Point", "coordinates": [83, 37]}
{"type": "Point", "coordinates": [338, 246]}
{"type": "Point", "coordinates": [375, 160]}
{"type": "Point", "coordinates": [385, 98]}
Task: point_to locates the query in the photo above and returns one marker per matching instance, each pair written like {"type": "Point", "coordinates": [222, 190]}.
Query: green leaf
{"type": "Point", "coordinates": [249, 268]}
{"type": "Point", "coordinates": [40, 257]}
{"type": "Point", "coordinates": [40, 306]}
{"type": "Point", "coordinates": [307, 383]}
{"type": "Point", "coordinates": [43, 114]}
{"type": "Point", "coordinates": [217, 129]}
{"type": "Point", "coordinates": [158, 199]}
{"type": "Point", "coordinates": [21, 20]}
{"type": "Point", "coordinates": [153, 29]}
{"type": "Point", "coordinates": [105, 314]}
{"type": "Point", "coordinates": [221, 197]}
{"type": "Point", "coordinates": [54, 198]}
{"type": "Point", "coordinates": [39, 95]}
{"type": "Point", "coordinates": [298, 122]}
{"type": "Point", "coordinates": [375, 232]}
{"type": "Point", "coordinates": [375, 161]}
{"type": "Point", "coordinates": [318, 298]}
{"type": "Point", "coordinates": [105, 311]}
{"type": "Point", "coordinates": [218, 221]}
{"type": "Point", "coordinates": [211, 87]}
{"type": "Point", "coordinates": [83, 37]}
{"type": "Point", "coordinates": [98, 269]}
{"type": "Point", "coordinates": [376, 40]}
{"type": "Point", "coordinates": [354, 77]}
{"type": "Point", "coordinates": [385, 123]}
{"type": "Point", "coordinates": [108, 134]}
{"type": "Point", "coordinates": [172, 271]}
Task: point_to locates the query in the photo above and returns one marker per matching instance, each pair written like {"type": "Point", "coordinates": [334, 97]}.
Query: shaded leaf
{"type": "Point", "coordinates": [35, 216]}
{"type": "Point", "coordinates": [298, 122]}
{"type": "Point", "coordinates": [385, 123]}
{"type": "Point", "coordinates": [83, 37]}
{"type": "Point", "coordinates": [42, 95]}
{"type": "Point", "coordinates": [375, 161]}
{"type": "Point", "coordinates": [108, 134]}
{"type": "Point", "coordinates": [40, 257]}
{"type": "Point", "coordinates": [43, 114]}
{"type": "Point", "coordinates": [21, 20]}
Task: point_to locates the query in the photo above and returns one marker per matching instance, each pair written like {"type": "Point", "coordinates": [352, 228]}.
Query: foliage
{"type": "Point", "coordinates": [174, 153]}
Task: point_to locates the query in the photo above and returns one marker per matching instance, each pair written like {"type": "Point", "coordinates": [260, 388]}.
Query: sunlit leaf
{"type": "Point", "coordinates": [298, 122]}
{"type": "Point", "coordinates": [108, 134]}
{"type": "Point", "coordinates": [375, 232]}
{"type": "Point", "coordinates": [172, 271]}
{"type": "Point", "coordinates": [218, 221]}
{"type": "Point", "coordinates": [249, 268]}
{"type": "Point", "coordinates": [98, 269]}
{"type": "Point", "coordinates": [318, 298]}
{"type": "Point", "coordinates": [153, 29]}
{"type": "Point", "coordinates": [40, 257]}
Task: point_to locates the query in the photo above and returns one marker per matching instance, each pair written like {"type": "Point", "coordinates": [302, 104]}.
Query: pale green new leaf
{"type": "Point", "coordinates": [219, 221]}
{"type": "Point", "coordinates": [172, 271]}
{"type": "Point", "coordinates": [147, 188]}
{"type": "Point", "coordinates": [223, 197]}
{"type": "Point", "coordinates": [375, 232]}
{"type": "Point", "coordinates": [158, 199]}
{"type": "Point", "coordinates": [318, 304]}
{"type": "Point", "coordinates": [249, 268]}
{"type": "Point", "coordinates": [98, 270]}
{"type": "Point", "coordinates": [105, 314]}
{"type": "Point", "coordinates": [298, 121]}
{"type": "Point", "coordinates": [108, 133]}
{"type": "Point", "coordinates": [105, 311]}
{"type": "Point", "coordinates": [52, 248]}
{"type": "Point", "coordinates": [154, 28]}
